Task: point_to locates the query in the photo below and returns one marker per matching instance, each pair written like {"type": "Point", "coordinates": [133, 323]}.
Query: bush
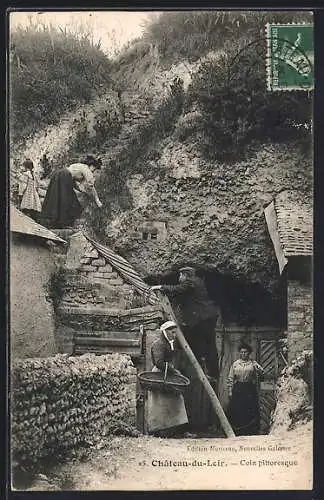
{"type": "Point", "coordinates": [237, 111]}
{"type": "Point", "coordinates": [93, 127]}
{"type": "Point", "coordinates": [51, 71]}
{"type": "Point", "coordinates": [56, 286]}
{"type": "Point", "coordinates": [192, 34]}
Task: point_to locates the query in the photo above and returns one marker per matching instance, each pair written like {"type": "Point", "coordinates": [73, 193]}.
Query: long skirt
{"type": "Point", "coordinates": [243, 409]}
{"type": "Point", "coordinates": [61, 206]}
{"type": "Point", "coordinates": [30, 200]}
{"type": "Point", "coordinates": [165, 410]}
{"type": "Point", "coordinates": [202, 340]}
{"type": "Point", "coordinates": [199, 409]}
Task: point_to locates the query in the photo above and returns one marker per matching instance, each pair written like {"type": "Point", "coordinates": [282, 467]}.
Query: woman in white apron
{"type": "Point", "coordinates": [165, 410]}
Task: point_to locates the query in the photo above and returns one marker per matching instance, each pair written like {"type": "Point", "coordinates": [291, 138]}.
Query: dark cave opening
{"type": "Point", "coordinates": [247, 304]}
{"type": "Point", "coordinates": [241, 302]}
{"type": "Point", "coordinates": [245, 307]}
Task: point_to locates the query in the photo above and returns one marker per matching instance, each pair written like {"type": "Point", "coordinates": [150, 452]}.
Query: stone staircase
{"type": "Point", "coordinates": [137, 111]}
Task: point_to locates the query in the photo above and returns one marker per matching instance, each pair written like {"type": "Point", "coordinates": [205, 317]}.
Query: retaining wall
{"type": "Point", "coordinates": [62, 402]}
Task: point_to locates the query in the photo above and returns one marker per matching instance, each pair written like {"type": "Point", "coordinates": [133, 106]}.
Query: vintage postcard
{"type": "Point", "coordinates": [161, 245]}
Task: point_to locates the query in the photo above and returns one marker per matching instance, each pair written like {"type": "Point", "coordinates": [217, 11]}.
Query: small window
{"type": "Point", "coordinates": [154, 234]}
{"type": "Point", "coordinates": [145, 235]}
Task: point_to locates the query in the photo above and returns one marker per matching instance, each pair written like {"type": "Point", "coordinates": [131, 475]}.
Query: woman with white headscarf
{"type": "Point", "coordinates": [165, 410]}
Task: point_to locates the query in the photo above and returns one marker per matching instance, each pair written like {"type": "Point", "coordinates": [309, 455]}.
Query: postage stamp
{"type": "Point", "coordinates": [290, 57]}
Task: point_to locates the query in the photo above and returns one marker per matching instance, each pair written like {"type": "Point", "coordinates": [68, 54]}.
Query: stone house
{"type": "Point", "coordinates": [290, 224]}
{"type": "Point", "coordinates": [32, 321]}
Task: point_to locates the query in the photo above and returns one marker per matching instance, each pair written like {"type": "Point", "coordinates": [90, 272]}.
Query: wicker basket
{"type": "Point", "coordinates": [154, 381]}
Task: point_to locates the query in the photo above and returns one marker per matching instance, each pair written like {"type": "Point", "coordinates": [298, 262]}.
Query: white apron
{"type": "Point", "coordinates": [165, 410]}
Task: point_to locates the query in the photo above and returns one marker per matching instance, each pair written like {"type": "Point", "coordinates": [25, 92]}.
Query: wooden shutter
{"type": "Point", "coordinates": [268, 359]}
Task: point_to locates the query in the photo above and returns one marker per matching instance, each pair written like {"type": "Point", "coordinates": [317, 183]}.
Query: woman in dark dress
{"type": "Point", "coordinates": [62, 205]}
{"type": "Point", "coordinates": [243, 409]}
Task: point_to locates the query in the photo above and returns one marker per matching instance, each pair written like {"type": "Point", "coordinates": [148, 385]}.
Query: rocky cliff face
{"type": "Point", "coordinates": [209, 215]}
{"type": "Point", "coordinates": [164, 204]}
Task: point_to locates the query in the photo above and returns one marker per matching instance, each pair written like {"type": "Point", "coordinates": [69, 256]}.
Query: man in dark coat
{"type": "Point", "coordinates": [197, 317]}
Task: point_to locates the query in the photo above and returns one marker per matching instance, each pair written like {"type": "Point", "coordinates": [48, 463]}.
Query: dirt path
{"type": "Point", "coordinates": [148, 463]}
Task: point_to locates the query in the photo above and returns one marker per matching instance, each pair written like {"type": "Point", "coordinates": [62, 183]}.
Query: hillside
{"type": "Point", "coordinates": [52, 71]}
{"type": "Point", "coordinates": [176, 163]}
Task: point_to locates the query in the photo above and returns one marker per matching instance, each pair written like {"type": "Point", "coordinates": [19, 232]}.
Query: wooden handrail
{"type": "Point", "coordinates": [217, 407]}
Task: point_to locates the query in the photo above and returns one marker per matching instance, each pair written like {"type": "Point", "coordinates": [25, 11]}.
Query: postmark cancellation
{"type": "Point", "coordinates": [290, 57]}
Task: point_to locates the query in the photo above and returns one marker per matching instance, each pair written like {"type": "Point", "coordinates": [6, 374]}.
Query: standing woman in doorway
{"type": "Point", "coordinates": [243, 408]}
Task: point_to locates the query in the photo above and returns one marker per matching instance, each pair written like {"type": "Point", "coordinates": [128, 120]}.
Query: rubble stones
{"type": "Point", "coordinates": [99, 401]}
{"type": "Point", "coordinates": [98, 262]}
{"type": "Point", "coordinates": [293, 394]}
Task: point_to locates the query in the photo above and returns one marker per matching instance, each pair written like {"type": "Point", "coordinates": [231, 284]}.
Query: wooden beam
{"type": "Point", "coordinates": [108, 335]}
{"type": "Point", "coordinates": [107, 342]}
{"type": "Point", "coordinates": [142, 312]}
{"type": "Point", "coordinates": [106, 350]}
{"type": "Point", "coordinates": [200, 373]}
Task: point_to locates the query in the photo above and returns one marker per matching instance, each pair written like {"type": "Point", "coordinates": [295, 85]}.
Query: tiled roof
{"type": "Point", "coordinates": [295, 224]}
{"type": "Point", "coordinates": [20, 223]}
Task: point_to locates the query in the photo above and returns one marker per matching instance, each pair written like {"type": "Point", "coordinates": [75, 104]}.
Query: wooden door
{"type": "Point", "coordinates": [268, 359]}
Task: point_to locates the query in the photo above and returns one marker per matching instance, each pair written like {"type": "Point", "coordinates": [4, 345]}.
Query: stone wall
{"type": "Point", "coordinates": [99, 313]}
{"type": "Point", "coordinates": [91, 324]}
{"type": "Point", "coordinates": [62, 402]}
{"type": "Point", "coordinates": [90, 279]}
{"type": "Point", "coordinates": [300, 318]}
{"type": "Point", "coordinates": [87, 283]}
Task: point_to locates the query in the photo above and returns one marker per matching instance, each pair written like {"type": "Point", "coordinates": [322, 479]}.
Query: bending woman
{"type": "Point", "coordinates": [165, 410]}
{"type": "Point", "coordinates": [62, 205]}
{"type": "Point", "coordinates": [243, 409]}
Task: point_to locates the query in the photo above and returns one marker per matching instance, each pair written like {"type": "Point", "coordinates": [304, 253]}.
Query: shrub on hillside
{"type": "Point", "coordinates": [51, 71]}
{"type": "Point", "coordinates": [191, 34]}
{"type": "Point", "coordinates": [93, 127]}
{"type": "Point", "coordinates": [237, 111]}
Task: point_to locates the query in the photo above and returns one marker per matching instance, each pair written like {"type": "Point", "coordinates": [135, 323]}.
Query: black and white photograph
{"type": "Point", "coordinates": [161, 249]}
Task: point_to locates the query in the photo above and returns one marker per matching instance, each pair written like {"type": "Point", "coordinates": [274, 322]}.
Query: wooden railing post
{"type": "Point", "coordinates": [217, 407]}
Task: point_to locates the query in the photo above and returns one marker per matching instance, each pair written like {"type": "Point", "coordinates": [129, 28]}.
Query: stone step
{"type": "Point", "coordinates": [64, 233]}
{"type": "Point", "coordinates": [137, 112]}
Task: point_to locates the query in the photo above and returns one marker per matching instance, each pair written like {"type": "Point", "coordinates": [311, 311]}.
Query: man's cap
{"type": "Point", "coordinates": [187, 268]}
{"type": "Point", "coordinates": [168, 324]}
